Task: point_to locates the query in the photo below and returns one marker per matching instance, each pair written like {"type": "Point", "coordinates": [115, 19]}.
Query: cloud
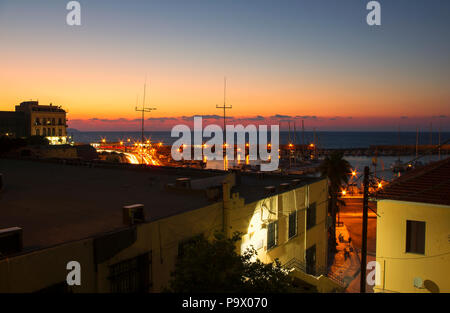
{"type": "Point", "coordinates": [254, 118]}
{"type": "Point", "coordinates": [162, 119]}
{"type": "Point", "coordinates": [280, 116]}
{"type": "Point", "coordinates": [306, 116]}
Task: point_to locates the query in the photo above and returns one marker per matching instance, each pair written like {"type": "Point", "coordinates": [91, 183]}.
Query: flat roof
{"type": "Point", "coordinates": [56, 203]}
{"type": "Point", "coordinates": [252, 187]}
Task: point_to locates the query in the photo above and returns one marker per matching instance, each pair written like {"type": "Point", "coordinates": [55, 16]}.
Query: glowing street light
{"type": "Point", "coordinates": [344, 192]}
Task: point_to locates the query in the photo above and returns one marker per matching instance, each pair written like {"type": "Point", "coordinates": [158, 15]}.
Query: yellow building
{"type": "Point", "coordinates": [124, 225]}
{"type": "Point", "coordinates": [413, 232]}
{"type": "Point", "coordinates": [45, 120]}
{"type": "Point", "coordinates": [32, 119]}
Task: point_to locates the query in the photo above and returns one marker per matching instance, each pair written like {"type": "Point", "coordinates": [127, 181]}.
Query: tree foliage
{"type": "Point", "coordinates": [8, 143]}
{"type": "Point", "coordinates": [215, 266]}
{"type": "Point", "coordinates": [337, 169]}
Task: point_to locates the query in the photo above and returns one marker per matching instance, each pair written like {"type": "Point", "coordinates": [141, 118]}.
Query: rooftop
{"type": "Point", "coordinates": [427, 184]}
{"type": "Point", "coordinates": [56, 203]}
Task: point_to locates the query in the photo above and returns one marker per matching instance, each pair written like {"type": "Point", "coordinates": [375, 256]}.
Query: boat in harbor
{"type": "Point", "coordinates": [398, 166]}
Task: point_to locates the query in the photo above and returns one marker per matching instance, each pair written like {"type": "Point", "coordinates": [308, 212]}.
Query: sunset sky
{"type": "Point", "coordinates": [315, 60]}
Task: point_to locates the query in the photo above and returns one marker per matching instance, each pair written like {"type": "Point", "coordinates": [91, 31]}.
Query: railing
{"type": "Point", "coordinates": [314, 270]}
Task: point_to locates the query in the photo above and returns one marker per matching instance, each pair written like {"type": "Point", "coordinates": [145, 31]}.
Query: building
{"type": "Point", "coordinates": [413, 231]}
{"type": "Point", "coordinates": [32, 119]}
{"type": "Point", "coordinates": [124, 225]}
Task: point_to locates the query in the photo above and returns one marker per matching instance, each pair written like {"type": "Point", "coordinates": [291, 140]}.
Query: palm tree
{"type": "Point", "coordinates": [337, 169]}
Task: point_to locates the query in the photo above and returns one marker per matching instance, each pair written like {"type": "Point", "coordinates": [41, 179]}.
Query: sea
{"type": "Point", "coordinates": [324, 140]}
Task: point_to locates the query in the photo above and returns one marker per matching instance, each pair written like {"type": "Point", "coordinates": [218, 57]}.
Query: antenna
{"type": "Point", "coordinates": [224, 107]}
{"type": "Point", "coordinates": [143, 110]}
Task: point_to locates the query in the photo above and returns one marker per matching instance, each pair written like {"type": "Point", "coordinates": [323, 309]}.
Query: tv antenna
{"type": "Point", "coordinates": [224, 107]}
{"type": "Point", "coordinates": [143, 111]}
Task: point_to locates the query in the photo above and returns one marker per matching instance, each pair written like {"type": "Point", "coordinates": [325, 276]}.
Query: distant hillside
{"type": "Point", "coordinates": [72, 130]}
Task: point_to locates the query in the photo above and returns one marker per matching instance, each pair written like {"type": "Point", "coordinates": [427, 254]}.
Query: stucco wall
{"type": "Point", "coordinates": [398, 268]}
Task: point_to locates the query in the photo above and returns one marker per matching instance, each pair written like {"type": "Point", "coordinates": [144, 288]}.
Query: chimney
{"type": "Point", "coordinates": [133, 214]}
{"type": "Point", "coordinates": [270, 189]}
{"type": "Point", "coordinates": [183, 182]}
{"type": "Point", "coordinates": [226, 192]}
{"type": "Point", "coordinates": [11, 240]}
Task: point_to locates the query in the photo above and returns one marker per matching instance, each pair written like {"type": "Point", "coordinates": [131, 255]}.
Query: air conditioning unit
{"type": "Point", "coordinates": [133, 214]}
{"type": "Point", "coordinates": [270, 189]}
{"type": "Point", "coordinates": [183, 182]}
{"type": "Point", "coordinates": [11, 240]}
{"type": "Point", "coordinates": [418, 282]}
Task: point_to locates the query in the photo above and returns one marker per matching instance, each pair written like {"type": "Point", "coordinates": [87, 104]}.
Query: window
{"type": "Point", "coordinates": [415, 237]}
{"type": "Point", "coordinates": [37, 121]}
{"type": "Point", "coordinates": [60, 132]}
{"type": "Point", "coordinates": [293, 224]}
{"type": "Point", "coordinates": [132, 275]}
{"type": "Point", "coordinates": [38, 133]}
{"type": "Point", "coordinates": [53, 132]}
{"type": "Point", "coordinates": [44, 131]}
{"type": "Point", "coordinates": [53, 121]}
{"type": "Point", "coordinates": [311, 216]}
{"type": "Point", "coordinates": [182, 244]}
{"type": "Point", "coordinates": [59, 121]}
{"type": "Point", "coordinates": [272, 235]}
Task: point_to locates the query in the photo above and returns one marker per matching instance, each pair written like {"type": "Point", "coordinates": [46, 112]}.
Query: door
{"type": "Point", "coordinates": [311, 260]}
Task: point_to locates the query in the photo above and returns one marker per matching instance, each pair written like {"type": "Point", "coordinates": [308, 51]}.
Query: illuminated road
{"type": "Point", "coordinates": [136, 157]}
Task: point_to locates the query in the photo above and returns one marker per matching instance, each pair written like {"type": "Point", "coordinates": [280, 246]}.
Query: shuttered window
{"type": "Point", "coordinates": [132, 275]}
{"type": "Point", "coordinates": [311, 216]}
{"type": "Point", "coordinates": [272, 234]}
{"type": "Point", "coordinates": [415, 237]}
{"type": "Point", "coordinates": [293, 224]}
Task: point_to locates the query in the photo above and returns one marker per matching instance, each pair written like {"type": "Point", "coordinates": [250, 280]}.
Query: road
{"type": "Point", "coordinates": [351, 216]}
{"type": "Point", "coordinates": [134, 156]}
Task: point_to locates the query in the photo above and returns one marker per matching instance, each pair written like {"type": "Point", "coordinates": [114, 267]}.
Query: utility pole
{"type": "Point", "coordinates": [303, 139]}
{"type": "Point", "coordinates": [289, 146]}
{"type": "Point", "coordinates": [143, 110]}
{"type": "Point", "coordinates": [224, 107]}
{"type": "Point", "coordinates": [364, 231]}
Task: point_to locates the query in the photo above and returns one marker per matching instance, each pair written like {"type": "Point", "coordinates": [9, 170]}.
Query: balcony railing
{"type": "Point", "coordinates": [314, 270]}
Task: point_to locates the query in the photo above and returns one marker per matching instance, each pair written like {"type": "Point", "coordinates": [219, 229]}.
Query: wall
{"type": "Point", "coordinates": [34, 271]}
{"type": "Point", "coordinates": [398, 268]}
{"type": "Point", "coordinates": [248, 220]}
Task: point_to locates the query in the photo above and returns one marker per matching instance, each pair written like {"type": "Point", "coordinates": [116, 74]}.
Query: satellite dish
{"type": "Point", "coordinates": [418, 282]}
